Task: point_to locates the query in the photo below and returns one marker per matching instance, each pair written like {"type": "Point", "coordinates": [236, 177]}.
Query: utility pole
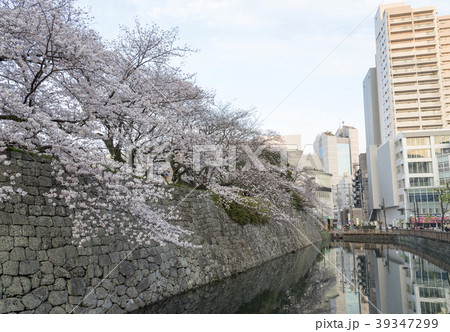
{"type": "Point", "coordinates": [384, 212]}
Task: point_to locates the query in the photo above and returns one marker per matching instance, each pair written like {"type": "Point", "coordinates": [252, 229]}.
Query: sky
{"type": "Point", "coordinates": [299, 63]}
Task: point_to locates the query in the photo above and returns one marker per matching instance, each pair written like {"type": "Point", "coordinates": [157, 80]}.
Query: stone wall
{"type": "Point", "coordinates": [43, 272]}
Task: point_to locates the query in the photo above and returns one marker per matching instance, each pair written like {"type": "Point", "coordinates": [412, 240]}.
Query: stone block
{"type": "Point", "coordinates": [15, 288]}
{"type": "Point", "coordinates": [101, 293]}
{"type": "Point", "coordinates": [6, 243]}
{"type": "Point", "coordinates": [57, 298]}
{"type": "Point", "coordinates": [42, 231]}
{"type": "Point", "coordinates": [58, 242]}
{"type": "Point", "coordinates": [19, 219]}
{"type": "Point", "coordinates": [60, 211]}
{"type": "Point", "coordinates": [11, 305]}
{"type": "Point", "coordinates": [58, 311]}
{"type": "Point", "coordinates": [71, 252]}
{"type": "Point", "coordinates": [30, 254]}
{"type": "Point", "coordinates": [60, 284]}
{"type": "Point", "coordinates": [45, 182]}
{"type": "Point", "coordinates": [21, 209]}
{"type": "Point", "coordinates": [76, 287]}
{"type": "Point", "coordinates": [115, 258]}
{"type": "Point", "coordinates": [115, 309]}
{"type": "Point", "coordinates": [41, 255]}
{"type": "Point", "coordinates": [21, 241]}
{"type": "Point", "coordinates": [82, 261]}
{"type": "Point", "coordinates": [47, 279]}
{"type": "Point", "coordinates": [121, 290]}
{"type": "Point", "coordinates": [60, 272]}
{"type": "Point", "coordinates": [5, 219]}
{"type": "Point", "coordinates": [35, 210]}
{"type": "Point", "coordinates": [15, 230]}
{"type": "Point", "coordinates": [35, 298]}
{"type": "Point", "coordinates": [104, 260]}
{"type": "Point", "coordinates": [28, 230]}
{"type": "Point", "coordinates": [29, 267]}
{"type": "Point", "coordinates": [35, 243]}
{"type": "Point", "coordinates": [17, 254]}
{"type": "Point", "coordinates": [11, 268]}
{"type": "Point", "coordinates": [44, 308]}
{"type": "Point", "coordinates": [48, 210]}
{"type": "Point", "coordinates": [4, 229]}
{"type": "Point", "coordinates": [57, 256]}
{"type": "Point", "coordinates": [126, 268]}
{"type": "Point", "coordinates": [90, 300]}
{"type": "Point", "coordinates": [44, 221]}
{"type": "Point", "coordinates": [4, 256]}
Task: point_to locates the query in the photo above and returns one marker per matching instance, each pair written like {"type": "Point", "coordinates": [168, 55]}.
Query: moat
{"type": "Point", "coordinates": [343, 278]}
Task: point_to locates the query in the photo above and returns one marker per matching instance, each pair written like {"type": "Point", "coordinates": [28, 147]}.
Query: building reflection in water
{"type": "Point", "coordinates": [387, 280]}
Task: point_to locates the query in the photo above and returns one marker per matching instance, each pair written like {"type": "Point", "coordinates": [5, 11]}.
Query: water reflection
{"type": "Point", "coordinates": [387, 280]}
{"type": "Point", "coordinates": [372, 279]}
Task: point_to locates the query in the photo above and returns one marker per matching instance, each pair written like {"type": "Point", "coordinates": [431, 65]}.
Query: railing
{"type": "Point", "coordinates": [433, 235]}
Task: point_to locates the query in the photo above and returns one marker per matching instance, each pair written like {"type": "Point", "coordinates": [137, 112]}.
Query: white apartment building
{"type": "Point", "coordinates": [407, 111]}
{"type": "Point", "coordinates": [413, 67]}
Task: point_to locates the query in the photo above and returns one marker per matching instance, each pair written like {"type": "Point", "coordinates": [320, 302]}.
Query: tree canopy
{"type": "Point", "coordinates": [108, 112]}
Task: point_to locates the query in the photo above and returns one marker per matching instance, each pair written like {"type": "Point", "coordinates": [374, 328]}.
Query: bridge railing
{"type": "Point", "coordinates": [429, 234]}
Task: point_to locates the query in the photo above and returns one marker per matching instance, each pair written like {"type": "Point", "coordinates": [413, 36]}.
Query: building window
{"type": "Point", "coordinates": [442, 140]}
{"type": "Point", "coordinates": [419, 153]}
{"type": "Point", "coordinates": [420, 167]}
{"type": "Point", "coordinates": [442, 151]}
{"type": "Point", "coordinates": [414, 141]}
{"type": "Point", "coordinates": [421, 182]}
{"type": "Point", "coordinates": [423, 197]}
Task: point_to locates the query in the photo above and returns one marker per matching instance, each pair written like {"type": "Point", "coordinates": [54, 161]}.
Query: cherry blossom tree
{"type": "Point", "coordinates": [105, 111]}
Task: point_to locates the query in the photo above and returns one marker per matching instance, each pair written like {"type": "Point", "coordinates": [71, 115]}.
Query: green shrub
{"type": "Point", "coordinates": [298, 202]}
{"type": "Point", "coordinates": [253, 212]}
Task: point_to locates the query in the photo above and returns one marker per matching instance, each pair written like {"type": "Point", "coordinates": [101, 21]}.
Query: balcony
{"type": "Point", "coordinates": [423, 18]}
{"type": "Point", "coordinates": [426, 60]}
{"type": "Point", "coordinates": [427, 77]}
{"type": "Point", "coordinates": [412, 80]}
{"type": "Point", "coordinates": [425, 43]}
{"type": "Point", "coordinates": [431, 104]}
{"type": "Point", "coordinates": [403, 70]}
{"type": "Point", "coordinates": [423, 26]}
{"type": "Point", "coordinates": [420, 34]}
{"type": "Point", "coordinates": [402, 54]}
{"type": "Point", "coordinates": [394, 20]}
{"type": "Point", "coordinates": [412, 96]}
{"type": "Point", "coordinates": [401, 28]}
{"type": "Point", "coordinates": [427, 69]}
{"type": "Point", "coordinates": [402, 45]}
{"type": "Point", "coordinates": [411, 114]}
{"type": "Point", "coordinates": [430, 113]}
{"type": "Point", "coordinates": [400, 106]}
{"type": "Point", "coordinates": [426, 51]}
{"type": "Point", "coordinates": [430, 95]}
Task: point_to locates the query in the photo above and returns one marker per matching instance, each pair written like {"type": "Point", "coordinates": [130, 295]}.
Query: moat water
{"type": "Point", "coordinates": [342, 278]}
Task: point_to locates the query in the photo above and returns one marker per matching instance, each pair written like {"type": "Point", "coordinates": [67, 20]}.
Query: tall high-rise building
{"type": "Point", "coordinates": [407, 110]}
{"type": "Point", "coordinates": [413, 69]}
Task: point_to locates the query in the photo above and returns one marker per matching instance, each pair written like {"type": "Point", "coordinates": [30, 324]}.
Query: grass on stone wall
{"type": "Point", "coordinates": [326, 238]}
{"type": "Point", "coordinates": [30, 153]}
{"type": "Point", "coordinates": [254, 212]}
